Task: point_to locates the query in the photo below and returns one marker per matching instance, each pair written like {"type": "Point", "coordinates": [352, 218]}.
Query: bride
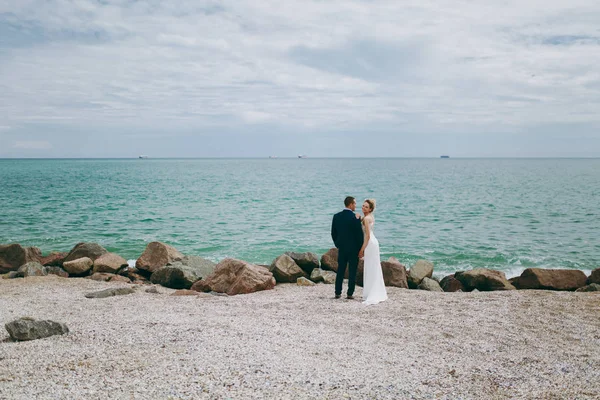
{"type": "Point", "coordinates": [373, 284]}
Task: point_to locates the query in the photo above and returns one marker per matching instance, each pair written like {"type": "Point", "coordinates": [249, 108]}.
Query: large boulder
{"type": "Point", "coordinates": [594, 277]}
{"type": "Point", "coordinates": [592, 287]}
{"type": "Point", "coordinates": [233, 277]}
{"type": "Point", "coordinates": [484, 280]}
{"type": "Point", "coordinates": [32, 268]}
{"type": "Point", "coordinates": [110, 263]}
{"type": "Point", "coordinates": [329, 261]}
{"type": "Point", "coordinates": [54, 259]}
{"type": "Point", "coordinates": [307, 261]}
{"type": "Point", "coordinates": [394, 273]}
{"type": "Point", "coordinates": [31, 329]}
{"type": "Point", "coordinates": [285, 269]}
{"type": "Point", "coordinates": [89, 250]}
{"type": "Point", "coordinates": [431, 285]}
{"type": "Point", "coordinates": [421, 269]}
{"type": "Point", "coordinates": [157, 255]}
{"type": "Point", "coordinates": [78, 267]}
{"type": "Point", "coordinates": [552, 279]}
{"type": "Point", "coordinates": [12, 256]}
{"type": "Point", "coordinates": [182, 274]}
{"type": "Point", "coordinates": [451, 284]}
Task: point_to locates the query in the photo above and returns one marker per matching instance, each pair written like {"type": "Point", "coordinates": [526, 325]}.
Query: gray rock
{"type": "Point", "coordinates": [31, 329]}
{"type": "Point", "coordinates": [182, 274]}
{"type": "Point", "coordinates": [329, 277]}
{"type": "Point", "coordinates": [58, 271]}
{"type": "Point", "coordinates": [592, 287]}
{"type": "Point", "coordinates": [285, 269]}
{"type": "Point", "coordinates": [12, 275]}
{"type": "Point", "coordinates": [153, 290]}
{"type": "Point", "coordinates": [79, 266]}
{"type": "Point", "coordinates": [89, 250]}
{"type": "Point", "coordinates": [33, 268]}
{"type": "Point", "coordinates": [431, 285]}
{"type": "Point", "coordinates": [302, 281]}
{"type": "Point", "coordinates": [321, 275]}
{"type": "Point", "coordinates": [421, 269]}
{"type": "Point", "coordinates": [307, 261]}
{"type": "Point", "coordinates": [484, 280]}
{"type": "Point", "coordinates": [594, 277]}
{"type": "Point", "coordinates": [110, 292]}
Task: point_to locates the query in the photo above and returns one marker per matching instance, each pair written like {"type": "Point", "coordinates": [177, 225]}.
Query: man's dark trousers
{"type": "Point", "coordinates": [346, 258]}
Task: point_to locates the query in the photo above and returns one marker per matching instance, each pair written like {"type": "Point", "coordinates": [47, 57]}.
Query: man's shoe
{"type": "Point", "coordinates": [350, 297]}
{"type": "Point", "coordinates": [337, 296]}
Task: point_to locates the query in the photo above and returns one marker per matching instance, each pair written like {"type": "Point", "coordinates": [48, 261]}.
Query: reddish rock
{"type": "Point", "coordinates": [89, 250]}
{"type": "Point", "coordinates": [594, 277]}
{"type": "Point", "coordinates": [329, 261]}
{"type": "Point", "coordinates": [451, 284]}
{"type": "Point", "coordinates": [394, 273]}
{"type": "Point", "coordinates": [285, 269]}
{"type": "Point", "coordinates": [484, 280]}
{"type": "Point", "coordinates": [54, 259]}
{"type": "Point", "coordinates": [552, 279]}
{"type": "Point", "coordinates": [12, 256]}
{"type": "Point", "coordinates": [157, 255]}
{"type": "Point", "coordinates": [233, 277]}
{"type": "Point", "coordinates": [307, 261]}
{"type": "Point", "coordinates": [109, 262]}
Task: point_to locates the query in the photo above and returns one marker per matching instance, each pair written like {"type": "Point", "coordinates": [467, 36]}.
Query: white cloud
{"type": "Point", "coordinates": [438, 65]}
{"type": "Point", "coordinates": [32, 145]}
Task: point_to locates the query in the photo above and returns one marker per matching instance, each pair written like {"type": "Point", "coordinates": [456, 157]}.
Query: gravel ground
{"type": "Point", "coordinates": [298, 342]}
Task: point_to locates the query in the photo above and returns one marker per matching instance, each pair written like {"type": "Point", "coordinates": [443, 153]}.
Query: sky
{"type": "Point", "coordinates": [348, 78]}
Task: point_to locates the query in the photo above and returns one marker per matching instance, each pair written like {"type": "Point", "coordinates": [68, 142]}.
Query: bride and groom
{"type": "Point", "coordinates": [354, 238]}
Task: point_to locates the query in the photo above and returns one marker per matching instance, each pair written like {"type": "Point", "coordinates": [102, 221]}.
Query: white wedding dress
{"type": "Point", "coordinates": [373, 285]}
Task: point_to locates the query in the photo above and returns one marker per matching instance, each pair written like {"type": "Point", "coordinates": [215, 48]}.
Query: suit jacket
{"type": "Point", "coordinates": [346, 232]}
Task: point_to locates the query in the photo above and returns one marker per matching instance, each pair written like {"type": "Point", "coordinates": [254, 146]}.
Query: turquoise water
{"type": "Point", "coordinates": [507, 214]}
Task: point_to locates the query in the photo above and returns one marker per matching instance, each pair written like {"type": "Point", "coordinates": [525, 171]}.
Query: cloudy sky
{"type": "Point", "coordinates": [349, 78]}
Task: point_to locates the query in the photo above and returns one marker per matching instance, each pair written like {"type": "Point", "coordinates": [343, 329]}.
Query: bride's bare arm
{"type": "Point", "coordinates": [367, 236]}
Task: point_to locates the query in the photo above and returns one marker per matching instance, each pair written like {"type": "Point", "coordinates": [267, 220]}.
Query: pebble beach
{"type": "Point", "coordinates": [297, 342]}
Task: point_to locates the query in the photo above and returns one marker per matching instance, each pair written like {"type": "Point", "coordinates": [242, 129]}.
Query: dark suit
{"type": "Point", "coordinates": [347, 234]}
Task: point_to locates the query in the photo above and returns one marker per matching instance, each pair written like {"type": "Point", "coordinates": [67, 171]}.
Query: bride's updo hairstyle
{"type": "Point", "coordinates": [371, 203]}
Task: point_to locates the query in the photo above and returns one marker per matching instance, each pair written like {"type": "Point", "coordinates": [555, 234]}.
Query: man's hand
{"type": "Point", "coordinates": [361, 254]}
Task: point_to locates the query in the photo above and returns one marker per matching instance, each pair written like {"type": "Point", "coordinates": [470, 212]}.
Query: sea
{"type": "Point", "coordinates": [460, 214]}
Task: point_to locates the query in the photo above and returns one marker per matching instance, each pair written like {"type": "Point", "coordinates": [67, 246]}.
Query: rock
{"type": "Point", "coordinates": [430, 284]}
{"type": "Point", "coordinates": [133, 274]}
{"type": "Point", "coordinates": [329, 261]}
{"type": "Point", "coordinates": [79, 266]}
{"type": "Point", "coordinates": [285, 269]}
{"type": "Point", "coordinates": [320, 275]}
{"type": "Point", "coordinates": [33, 268]}
{"type": "Point", "coordinates": [12, 275]}
{"type": "Point", "coordinates": [31, 329]}
{"type": "Point", "coordinates": [153, 290]}
{"type": "Point", "coordinates": [109, 262]}
{"type": "Point", "coordinates": [307, 261]}
{"type": "Point", "coordinates": [106, 277]}
{"type": "Point", "coordinates": [302, 281]}
{"type": "Point", "coordinates": [594, 276]}
{"type": "Point", "coordinates": [54, 259]}
{"type": "Point", "coordinates": [187, 292]}
{"type": "Point", "coordinates": [12, 256]}
{"type": "Point", "coordinates": [394, 273]}
{"type": "Point", "coordinates": [89, 250]}
{"type": "Point", "coordinates": [233, 277]}
{"type": "Point", "coordinates": [157, 255]}
{"type": "Point", "coordinates": [58, 271]}
{"type": "Point", "coordinates": [552, 279]}
{"type": "Point", "coordinates": [592, 287]}
{"type": "Point", "coordinates": [110, 292]}
{"type": "Point", "coordinates": [421, 269]}
{"type": "Point", "coordinates": [451, 284]}
{"type": "Point", "coordinates": [514, 281]}
{"type": "Point", "coordinates": [182, 274]}
{"type": "Point", "coordinates": [484, 280]}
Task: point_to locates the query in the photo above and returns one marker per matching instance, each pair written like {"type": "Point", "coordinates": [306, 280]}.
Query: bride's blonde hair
{"type": "Point", "coordinates": [371, 203]}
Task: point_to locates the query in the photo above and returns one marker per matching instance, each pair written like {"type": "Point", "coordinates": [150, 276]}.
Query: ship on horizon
{"type": "Point", "coordinates": [143, 156]}
{"type": "Point", "coordinates": [444, 156]}
{"type": "Point", "coordinates": [301, 156]}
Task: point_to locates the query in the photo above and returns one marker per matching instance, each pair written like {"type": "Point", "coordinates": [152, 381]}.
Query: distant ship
{"type": "Point", "coordinates": [444, 156]}
{"type": "Point", "coordinates": [272, 156]}
{"type": "Point", "coordinates": [301, 156]}
{"type": "Point", "coordinates": [143, 156]}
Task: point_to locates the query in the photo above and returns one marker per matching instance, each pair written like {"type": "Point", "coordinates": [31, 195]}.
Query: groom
{"type": "Point", "coordinates": [347, 235]}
